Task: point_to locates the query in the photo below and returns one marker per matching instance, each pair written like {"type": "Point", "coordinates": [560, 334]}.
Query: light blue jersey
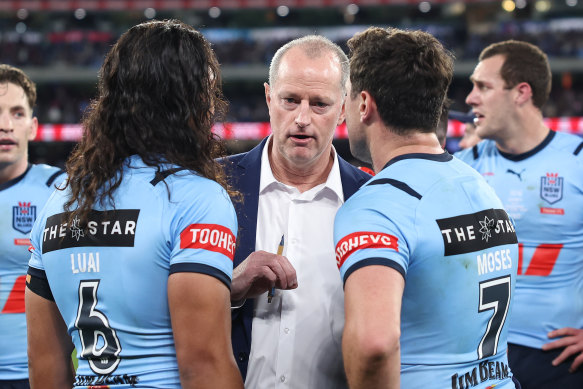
{"type": "Point", "coordinates": [438, 223]}
{"type": "Point", "coordinates": [21, 199]}
{"type": "Point", "coordinates": [543, 191]}
{"type": "Point", "coordinates": [110, 281]}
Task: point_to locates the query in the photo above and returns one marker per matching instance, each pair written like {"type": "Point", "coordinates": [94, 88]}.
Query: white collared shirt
{"type": "Point", "coordinates": [296, 339]}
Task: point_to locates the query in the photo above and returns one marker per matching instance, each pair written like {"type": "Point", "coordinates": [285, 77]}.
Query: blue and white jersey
{"type": "Point", "coordinates": [542, 190]}
{"type": "Point", "coordinates": [21, 199]}
{"type": "Point", "coordinates": [438, 223]}
{"type": "Point", "coordinates": [110, 281]}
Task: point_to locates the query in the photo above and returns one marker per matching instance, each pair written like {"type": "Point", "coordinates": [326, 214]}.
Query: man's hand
{"type": "Point", "coordinates": [572, 342]}
{"type": "Point", "coordinates": [259, 272]}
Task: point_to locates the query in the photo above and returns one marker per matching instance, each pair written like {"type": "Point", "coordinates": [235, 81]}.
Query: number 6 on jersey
{"type": "Point", "coordinates": [100, 344]}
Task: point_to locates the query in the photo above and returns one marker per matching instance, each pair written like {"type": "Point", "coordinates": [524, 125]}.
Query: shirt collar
{"type": "Point", "coordinates": [333, 182]}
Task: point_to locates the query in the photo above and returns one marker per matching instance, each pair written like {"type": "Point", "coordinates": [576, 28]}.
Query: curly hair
{"type": "Point", "coordinates": [159, 93]}
{"type": "Point", "coordinates": [523, 62]}
{"type": "Point", "coordinates": [406, 72]}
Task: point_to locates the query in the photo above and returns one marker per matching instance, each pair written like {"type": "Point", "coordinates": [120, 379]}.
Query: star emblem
{"type": "Point", "coordinates": [77, 232]}
{"type": "Point", "coordinates": [486, 228]}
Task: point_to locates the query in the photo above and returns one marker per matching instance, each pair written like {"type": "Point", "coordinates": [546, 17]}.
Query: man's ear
{"type": "Point", "coordinates": [267, 93]}
{"type": "Point", "coordinates": [367, 106]}
{"type": "Point", "coordinates": [524, 93]}
{"type": "Point", "coordinates": [342, 116]}
{"type": "Point", "coordinates": [33, 128]}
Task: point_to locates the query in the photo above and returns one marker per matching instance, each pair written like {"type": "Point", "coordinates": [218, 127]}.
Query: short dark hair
{"type": "Point", "coordinates": [523, 62]}
{"type": "Point", "coordinates": [159, 95]}
{"type": "Point", "coordinates": [406, 72]}
{"type": "Point", "coordinates": [18, 77]}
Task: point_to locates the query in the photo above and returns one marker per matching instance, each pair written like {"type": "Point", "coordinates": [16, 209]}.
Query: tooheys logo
{"type": "Point", "coordinates": [211, 237]}
{"type": "Point", "coordinates": [363, 240]}
{"type": "Point", "coordinates": [476, 231]}
{"type": "Point", "coordinates": [116, 228]}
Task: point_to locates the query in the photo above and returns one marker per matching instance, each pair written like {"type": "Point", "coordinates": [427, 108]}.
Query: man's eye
{"type": "Point", "coordinates": [289, 100]}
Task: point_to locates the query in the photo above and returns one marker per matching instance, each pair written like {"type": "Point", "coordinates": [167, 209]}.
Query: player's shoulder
{"type": "Point", "coordinates": [568, 145]}
{"type": "Point", "coordinates": [45, 175]}
{"type": "Point", "coordinates": [483, 149]}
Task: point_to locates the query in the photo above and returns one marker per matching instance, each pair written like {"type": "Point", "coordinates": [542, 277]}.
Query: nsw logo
{"type": "Point", "coordinates": [23, 217]}
{"type": "Point", "coordinates": [551, 188]}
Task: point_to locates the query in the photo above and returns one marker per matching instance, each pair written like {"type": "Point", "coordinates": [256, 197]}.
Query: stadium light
{"type": "Point", "coordinates": [282, 11]}
{"type": "Point", "coordinates": [214, 12]}
{"type": "Point", "coordinates": [508, 5]}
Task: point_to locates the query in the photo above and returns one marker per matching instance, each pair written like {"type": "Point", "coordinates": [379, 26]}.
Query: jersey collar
{"type": "Point", "coordinates": [443, 157]}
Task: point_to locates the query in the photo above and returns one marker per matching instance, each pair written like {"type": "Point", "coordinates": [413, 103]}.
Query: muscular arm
{"type": "Point", "coordinates": [201, 322]}
{"type": "Point", "coordinates": [370, 344]}
{"type": "Point", "coordinates": [49, 344]}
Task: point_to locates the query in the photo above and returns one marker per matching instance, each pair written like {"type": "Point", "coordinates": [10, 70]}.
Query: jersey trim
{"type": "Point", "coordinates": [397, 184]}
{"type": "Point", "coordinates": [160, 176]}
{"type": "Point", "coordinates": [475, 152]}
{"type": "Point", "coordinates": [443, 157]}
{"type": "Point", "coordinates": [523, 156]}
{"type": "Point", "coordinates": [374, 261]}
{"type": "Point", "coordinates": [578, 149]}
{"type": "Point", "coordinates": [53, 177]}
{"type": "Point", "coordinates": [16, 180]}
{"type": "Point", "coordinates": [203, 269]}
{"type": "Point", "coordinates": [37, 282]}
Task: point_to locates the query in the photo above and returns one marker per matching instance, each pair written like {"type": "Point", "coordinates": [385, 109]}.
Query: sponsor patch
{"type": "Point", "coordinates": [476, 231]}
{"type": "Point", "coordinates": [363, 240]}
{"type": "Point", "coordinates": [116, 228]}
{"type": "Point", "coordinates": [552, 211]}
{"type": "Point", "coordinates": [22, 242]}
{"type": "Point", "coordinates": [23, 217]}
{"type": "Point", "coordinates": [551, 188]}
{"type": "Point", "coordinates": [211, 237]}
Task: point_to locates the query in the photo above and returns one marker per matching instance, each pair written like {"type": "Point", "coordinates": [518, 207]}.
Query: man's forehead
{"type": "Point", "coordinates": [13, 91]}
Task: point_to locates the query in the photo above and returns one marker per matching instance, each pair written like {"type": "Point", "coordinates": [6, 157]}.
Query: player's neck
{"type": "Point", "coordinates": [526, 134]}
{"type": "Point", "coordinates": [9, 171]}
{"type": "Point", "coordinates": [388, 145]}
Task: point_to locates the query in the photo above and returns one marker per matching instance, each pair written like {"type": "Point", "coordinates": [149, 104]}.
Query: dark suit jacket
{"type": "Point", "coordinates": [244, 171]}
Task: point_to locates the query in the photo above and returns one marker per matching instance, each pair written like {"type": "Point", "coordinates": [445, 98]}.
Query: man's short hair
{"type": "Point", "coordinates": [523, 62]}
{"type": "Point", "coordinates": [313, 46]}
{"type": "Point", "coordinates": [406, 72]}
{"type": "Point", "coordinates": [18, 77]}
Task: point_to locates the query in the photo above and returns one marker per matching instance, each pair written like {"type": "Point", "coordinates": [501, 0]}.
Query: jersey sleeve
{"type": "Point", "coordinates": [203, 233]}
{"type": "Point", "coordinates": [365, 236]}
{"type": "Point", "coordinates": [36, 279]}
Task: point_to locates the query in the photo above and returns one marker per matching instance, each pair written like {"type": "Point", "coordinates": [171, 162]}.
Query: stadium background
{"type": "Point", "coordinates": [61, 45]}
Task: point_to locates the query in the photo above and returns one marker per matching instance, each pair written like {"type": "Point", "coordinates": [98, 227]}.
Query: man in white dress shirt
{"type": "Point", "coordinates": [293, 183]}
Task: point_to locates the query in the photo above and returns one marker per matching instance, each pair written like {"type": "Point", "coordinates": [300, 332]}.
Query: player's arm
{"type": "Point", "coordinates": [49, 344]}
{"type": "Point", "coordinates": [571, 341]}
{"type": "Point", "coordinates": [201, 323]}
{"type": "Point", "coordinates": [370, 343]}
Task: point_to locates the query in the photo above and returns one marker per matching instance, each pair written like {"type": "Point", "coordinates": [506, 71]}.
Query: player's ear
{"type": "Point", "coordinates": [523, 92]}
{"type": "Point", "coordinates": [33, 128]}
{"type": "Point", "coordinates": [367, 106]}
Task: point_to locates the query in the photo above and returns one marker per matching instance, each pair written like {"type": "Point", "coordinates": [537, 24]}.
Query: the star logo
{"type": "Point", "coordinates": [77, 232]}
{"type": "Point", "coordinates": [486, 228]}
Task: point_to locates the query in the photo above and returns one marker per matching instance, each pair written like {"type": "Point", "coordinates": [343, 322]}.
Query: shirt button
{"type": "Point", "coordinates": [282, 378]}
{"type": "Point", "coordinates": [294, 241]}
{"type": "Point", "coordinates": [286, 330]}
